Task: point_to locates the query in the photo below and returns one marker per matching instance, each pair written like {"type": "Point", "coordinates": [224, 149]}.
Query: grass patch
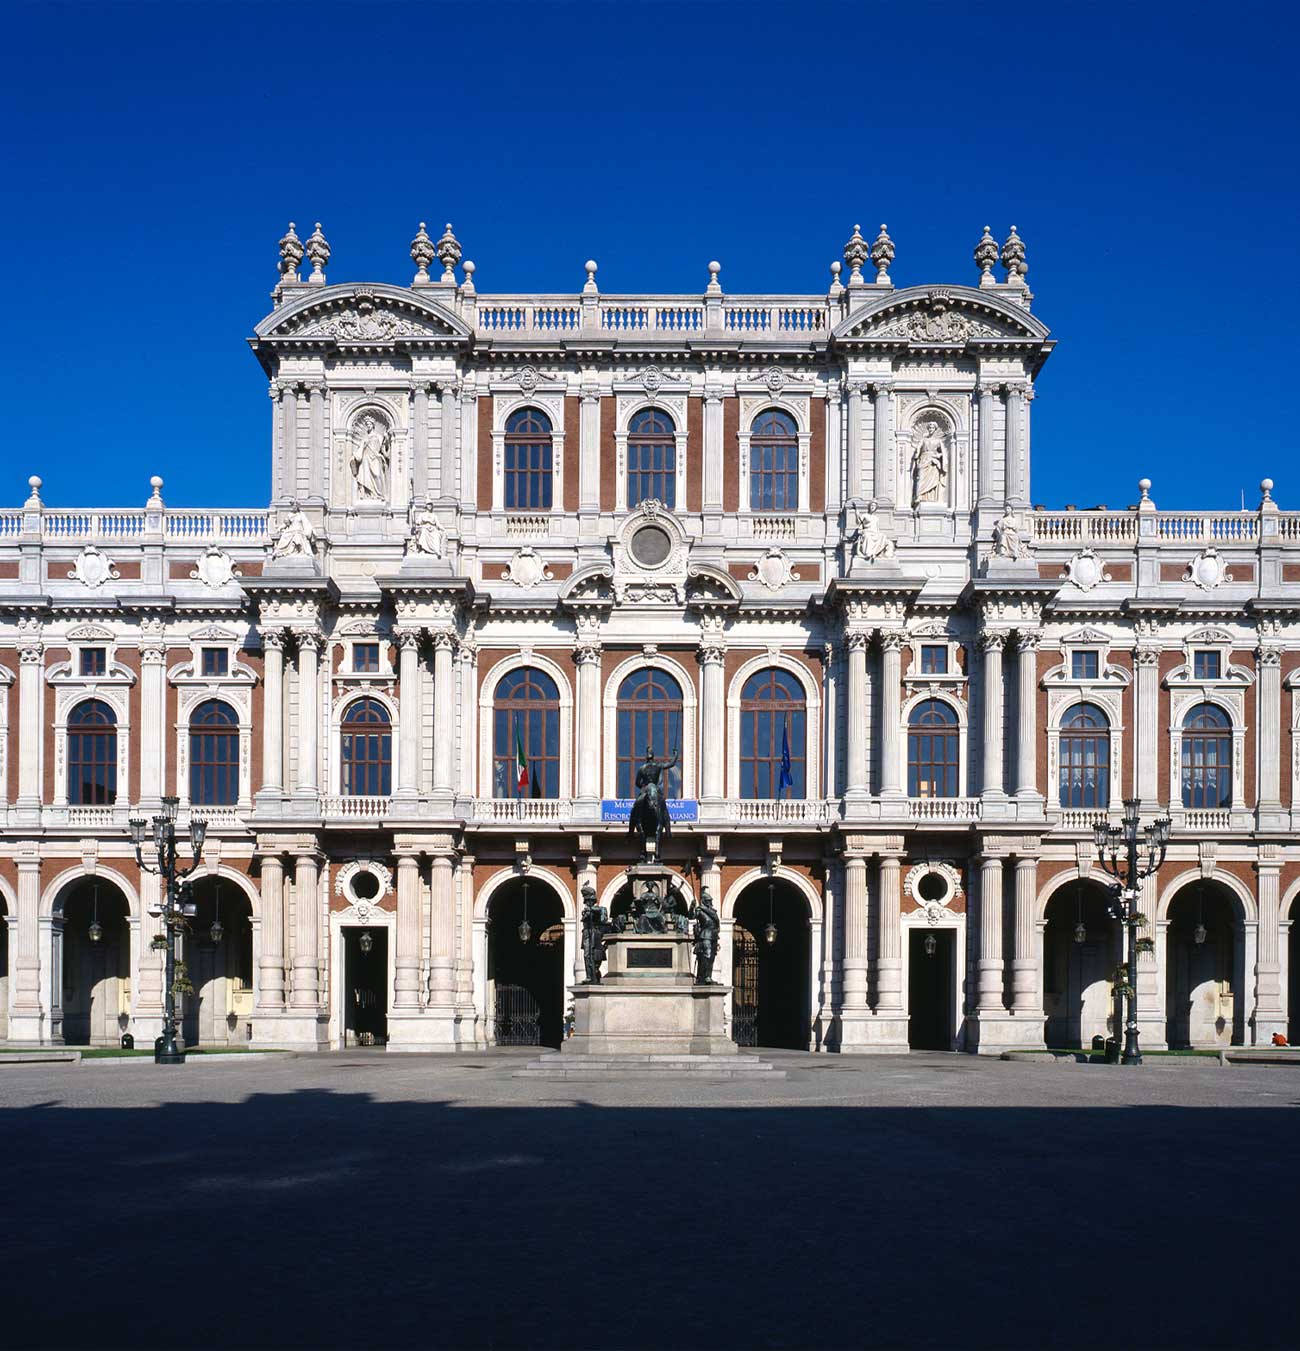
{"type": "Point", "coordinates": [117, 1053]}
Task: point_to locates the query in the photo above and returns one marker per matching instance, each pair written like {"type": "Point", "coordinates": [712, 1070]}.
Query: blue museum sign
{"type": "Point", "coordinates": [620, 808]}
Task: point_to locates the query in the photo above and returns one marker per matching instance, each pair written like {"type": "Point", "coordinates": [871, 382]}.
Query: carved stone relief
{"type": "Point", "coordinates": [1085, 570]}
{"type": "Point", "coordinates": [93, 568]}
{"type": "Point", "coordinates": [773, 570]}
{"type": "Point", "coordinates": [527, 568]}
{"type": "Point", "coordinates": [1207, 570]}
{"type": "Point", "coordinates": [215, 569]}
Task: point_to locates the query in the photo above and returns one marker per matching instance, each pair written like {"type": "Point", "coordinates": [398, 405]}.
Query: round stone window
{"type": "Point", "coordinates": [933, 887]}
{"type": "Point", "coordinates": [651, 545]}
{"type": "Point", "coordinates": [364, 882]}
{"type": "Point", "coordinates": [365, 885]}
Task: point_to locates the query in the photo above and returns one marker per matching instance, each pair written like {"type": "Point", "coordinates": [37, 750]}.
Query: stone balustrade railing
{"type": "Point", "coordinates": [1175, 527]}
{"type": "Point", "coordinates": [130, 525]}
{"type": "Point", "coordinates": [355, 808]}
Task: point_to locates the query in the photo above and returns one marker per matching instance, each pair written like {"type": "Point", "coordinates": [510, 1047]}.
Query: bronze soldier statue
{"type": "Point", "coordinates": [707, 926]}
{"type": "Point", "coordinates": [595, 924]}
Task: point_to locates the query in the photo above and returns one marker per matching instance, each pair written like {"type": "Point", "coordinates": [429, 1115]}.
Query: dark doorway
{"type": "Point", "coordinates": [770, 978]}
{"type": "Point", "coordinates": [218, 952]}
{"type": "Point", "coordinates": [365, 973]}
{"type": "Point", "coordinates": [526, 966]}
{"type": "Point", "coordinates": [96, 964]}
{"type": "Point", "coordinates": [930, 975]}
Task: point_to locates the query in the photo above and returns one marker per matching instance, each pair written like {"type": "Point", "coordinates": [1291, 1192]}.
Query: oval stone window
{"type": "Point", "coordinates": [651, 545]}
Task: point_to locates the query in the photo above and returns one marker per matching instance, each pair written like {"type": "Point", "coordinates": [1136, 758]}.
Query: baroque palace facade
{"type": "Point", "coordinates": [787, 540]}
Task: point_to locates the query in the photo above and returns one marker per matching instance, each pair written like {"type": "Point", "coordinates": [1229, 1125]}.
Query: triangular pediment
{"type": "Point", "coordinates": [944, 315]}
{"type": "Point", "coordinates": [357, 314]}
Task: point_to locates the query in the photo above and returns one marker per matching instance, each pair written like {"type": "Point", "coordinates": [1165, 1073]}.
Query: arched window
{"type": "Point", "coordinates": [366, 750]}
{"type": "Point", "coordinates": [528, 461]}
{"type": "Point", "coordinates": [1085, 757]}
{"type": "Point", "coordinates": [933, 754]}
{"type": "Point", "coordinates": [649, 714]}
{"type": "Point", "coordinates": [651, 458]}
{"type": "Point", "coordinates": [773, 723]}
{"type": "Point", "coordinates": [214, 755]}
{"type": "Point", "coordinates": [526, 735]}
{"type": "Point", "coordinates": [1207, 757]}
{"type": "Point", "coordinates": [92, 754]}
{"type": "Point", "coordinates": [773, 462]}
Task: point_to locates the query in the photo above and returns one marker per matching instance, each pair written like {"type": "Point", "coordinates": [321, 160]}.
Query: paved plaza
{"type": "Point", "coordinates": [370, 1200]}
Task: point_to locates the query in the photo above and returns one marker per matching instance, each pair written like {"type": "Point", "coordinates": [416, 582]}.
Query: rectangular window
{"type": "Point", "coordinates": [365, 656]}
{"type": "Point", "coordinates": [215, 661]}
{"type": "Point", "coordinates": [94, 661]}
{"type": "Point", "coordinates": [1083, 665]}
{"type": "Point", "coordinates": [934, 659]}
{"type": "Point", "coordinates": [1205, 665]}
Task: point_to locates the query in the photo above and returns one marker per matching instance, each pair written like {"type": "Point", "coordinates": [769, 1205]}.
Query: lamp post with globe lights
{"type": "Point", "coordinates": [177, 906]}
{"type": "Point", "coordinates": [1130, 852]}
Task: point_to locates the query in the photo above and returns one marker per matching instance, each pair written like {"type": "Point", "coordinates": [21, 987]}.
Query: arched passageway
{"type": "Point", "coordinates": [1204, 968]}
{"type": "Point", "coordinates": [4, 970]}
{"type": "Point", "coordinates": [218, 955]}
{"type": "Point", "coordinates": [771, 955]}
{"type": "Point", "coordinates": [91, 917]}
{"type": "Point", "coordinates": [1081, 949]}
{"type": "Point", "coordinates": [525, 976]}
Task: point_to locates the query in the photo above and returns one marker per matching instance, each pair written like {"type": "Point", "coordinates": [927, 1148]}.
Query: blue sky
{"type": "Point", "coordinates": [154, 152]}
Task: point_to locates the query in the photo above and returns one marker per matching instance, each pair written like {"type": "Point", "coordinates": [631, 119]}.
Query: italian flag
{"type": "Point", "coordinates": [521, 762]}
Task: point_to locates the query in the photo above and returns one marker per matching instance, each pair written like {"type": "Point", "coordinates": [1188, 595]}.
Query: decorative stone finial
{"type": "Point", "coordinates": [422, 254]}
{"type": "Point", "coordinates": [290, 255]}
{"type": "Point", "coordinates": [882, 254]}
{"type": "Point", "coordinates": [1144, 487]}
{"type": "Point", "coordinates": [1266, 488]}
{"type": "Point", "coordinates": [589, 286]}
{"type": "Point", "coordinates": [448, 255]}
{"type": "Point", "coordinates": [714, 287]}
{"type": "Point", "coordinates": [836, 287]}
{"type": "Point", "coordinates": [155, 483]}
{"type": "Point", "coordinates": [318, 250]}
{"type": "Point", "coordinates": [34, 483]}
{"type": "Point", "coordinates": [468, 288]}
{"type": "Point", "coordinates": [855, 254]}
{"type": "Point", "coordinates": [986, 254]}
{"type": "Point", "coordinates": [1013, 259]}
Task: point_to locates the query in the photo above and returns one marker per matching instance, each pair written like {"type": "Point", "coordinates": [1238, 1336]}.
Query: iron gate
{"type": "Point", "coordinates": [744, 980]}
{"type": "Point", "coordinates": [518, 1020]}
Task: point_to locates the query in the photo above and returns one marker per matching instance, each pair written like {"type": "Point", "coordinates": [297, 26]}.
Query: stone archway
{"type": "Point", "coordinates": [525, 964]}
{"type": "Point", "coordinates": [93, 917]}
{"type": "Point", "coordinates": [771, 1001]}
{"type": "Point", "coordinates": [1205, 982]}
{"type": "Point", "coordinates": [218, 954]}
{"type": "Point", "coordinates": [5, 914]}
{"type": "Point", "coordinates": [1081, 949]}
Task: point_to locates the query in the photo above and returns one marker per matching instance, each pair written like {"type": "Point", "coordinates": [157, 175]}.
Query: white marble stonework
{"type": "Point", "coordinates": [733, 522]}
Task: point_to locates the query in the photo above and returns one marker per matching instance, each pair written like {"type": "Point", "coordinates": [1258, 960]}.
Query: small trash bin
{"type": "Point", "coordinates": [128, 1042]}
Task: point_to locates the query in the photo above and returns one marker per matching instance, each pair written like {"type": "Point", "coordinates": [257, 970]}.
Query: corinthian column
{"type": "Point", "coordinates": [855, 750]}
{"type": "Point", "coordinates": [153, 722]}
{"type": "Point", "coordinates": [1017, 478]}
{"type": "Point", "coordinates": [270, 957]}
{"type": "Point", "coordinates": [1269, 659]}
{"type": "Point", "coordinates": [889, 962]}
{"type": "Point", "coordinates": [306, 933]}
{"type": "Point", "coordinates": [31, 727]}
{"type": "Point", "coordinates": [990, 948]}
{"type": "Point", "coordinates": [444, 715]}
{"type": "Point", "coordinates": [587, 656]}
{"type": "Point", "coordinates": [406, 962]}
{"type": "Point", "coordinates": [987, 498]}
{"type": "Point", "coordinates": [991, 644]}
{"type": "Point", "coordinates": [1025, 998]}
{"type": "Point", "coordinates": [27, 1020]}
{"type": "Point", "coordinates": [1269, 1014]}
{"type": "Point", "coordinates": [272, 713]}
{"type": "Point", "coordinates": [408, 763]}
{"type": "Point", "coordinates": [713, 715]}
{"type": "Point", "coordinates": [854, 1012]}
{"type": "Point", "coordinates": [853, 460]}
{"type": "Point", "coordinates": [1146, 661]}
{"type": "Point", "coordinates": [891, 715]}
{"type": "Point", "coordinates": [884, 478]}
{"type": "Point", "coordinates": [1026, 715]}
{"type": "Point", "coordinates": [442, 976]}
{"type": "Point", "coordinates": [309, 646]}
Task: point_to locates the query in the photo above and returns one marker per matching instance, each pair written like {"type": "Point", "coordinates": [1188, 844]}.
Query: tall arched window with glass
{"type": "Point", "coordinates": [1085, 758]}
{"type": "Point", "coordinates": [651, 458]}
{"type": "Point", "coordinates": [92, 754]}
{"type": "Point", "coordinates": [649, 714]}
{"type": "Point", "coordinates": [773, 736]}
{"type": "Point", "coordinates": [933, 751]}
{"type": "Point", "coordinates": [773, 462]}
{"type": "Point", "coordinates": [214, 755]}
{"type": "Point", "coordinates": [526, 735]}
{"type": "Point", "coordinates": [366, 750]}
{"type": "Point", "coordinates": [528, 475]}
{"type": "Point", "coordinates": [1207, 757]}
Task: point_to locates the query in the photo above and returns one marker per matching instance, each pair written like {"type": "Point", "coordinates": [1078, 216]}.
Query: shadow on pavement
{"type": "Point", "coordinates": [329, 1219]}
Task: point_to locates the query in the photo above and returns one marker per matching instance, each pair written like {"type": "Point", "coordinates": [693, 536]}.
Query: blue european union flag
{"type": "Point", "coordinates": [787, 778]}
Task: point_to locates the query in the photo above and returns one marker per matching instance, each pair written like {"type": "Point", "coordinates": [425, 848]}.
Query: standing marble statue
{"type": "Point", "coordinates": [707, 927]}
{"type": "Point", "coordinates": [371, 453]}
{"type": "Point", "coordinates": [595, 925]}
{"type": "Point", "coordinates": [928, 470]}
{"type": "Point", "coordinates": [295, 537]}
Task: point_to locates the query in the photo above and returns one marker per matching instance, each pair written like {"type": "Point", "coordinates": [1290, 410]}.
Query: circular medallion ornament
{"type": "Point", "coordinates": [650, 546]}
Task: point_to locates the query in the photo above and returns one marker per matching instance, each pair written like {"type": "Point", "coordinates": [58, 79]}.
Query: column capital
{"type": "Point", "coordinates": [1268, 656]}
{"type": "Point", "coordinates": [893, 640]}
{"type": "Point", "coordinates": [443, 640]}
{"type": "Point", "coordinates": [586, 652]}
{"type": "Point", "coordinates": [856, 640]}
{"type": "Point", "coordinates": [879, 388]}
{"type": "Point", "coordinates": [1146, 656]}
{"type": "Point", "coordinates": [1028, 640]}
{"type": "Point", "coordinates": [309, 639]}
{"type": "Point", "coordinates": [409, 639]}
{"type": "Point", "coordinates": [31, 652]}
{"type": "Point", "coordinates": [992, 640]}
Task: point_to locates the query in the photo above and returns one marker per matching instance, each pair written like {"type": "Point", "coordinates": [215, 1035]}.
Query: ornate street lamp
{"type": "Point", "coordinates": [217, 931]}
{"type": "Point", "coordinates": [525, 929]}
{"type": "Point", "coordinates": [930, 944]}
{"type": "Point", "coordinates": [96, 930]}
{"type": "Point", "coordinates": [1130, 853]}
{"type": "Point", "coordinates": [365, 942]}
{"type": "Point", "coordinates": [178, 905]}
{"type": "Point", "coordinates": [1080, 928]}
{"type": "Point", "coordinates": [769, 929]}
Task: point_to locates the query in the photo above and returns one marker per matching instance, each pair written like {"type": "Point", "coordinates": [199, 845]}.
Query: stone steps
{"type": "Point", "coordinates": [557, 1065]}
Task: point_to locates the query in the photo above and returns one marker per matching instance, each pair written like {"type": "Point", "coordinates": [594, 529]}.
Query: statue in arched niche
{"type": "Point", "coordinates": [372, 450]}
{"type": "Point", "coordinates": [929, 463]}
